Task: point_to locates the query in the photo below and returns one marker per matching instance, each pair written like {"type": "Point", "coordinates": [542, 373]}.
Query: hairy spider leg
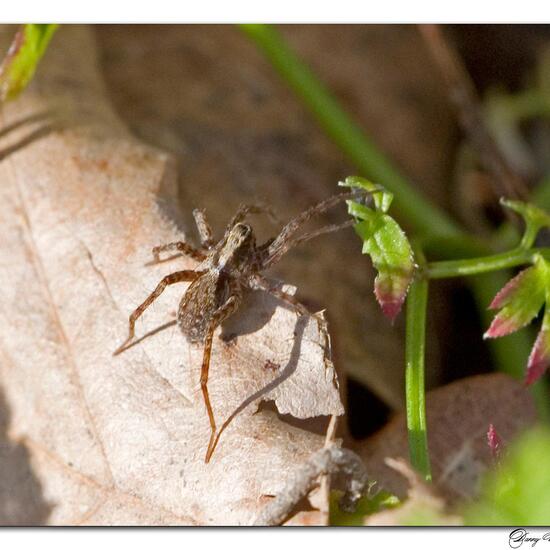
{"type": "Point", "coordinates": [245, 210]}
{"type": "Point", "coordinates": [204, 388]}
{"type": "Point", "coordinates": [264, 284]}
{"type": "Point", "coordinates": [204, 229]}
{"type": "Point", "coordinates": [224, 311]}
{"type": "Point", "coordinates": [322, 231]}
{"type": "Point", "coordinates": [184, 248]}
{"type": "Point", "coordinates": [285, 240]}
{"type": "Point", "coordinates": [177, 277]}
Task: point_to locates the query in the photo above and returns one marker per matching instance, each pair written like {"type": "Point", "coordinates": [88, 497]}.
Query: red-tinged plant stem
{"type": "Point", "coordinates": [415, 337]}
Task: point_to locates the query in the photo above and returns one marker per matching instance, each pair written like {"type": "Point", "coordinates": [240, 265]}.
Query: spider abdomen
{"type": "Point", "coordinates": [198, 306]}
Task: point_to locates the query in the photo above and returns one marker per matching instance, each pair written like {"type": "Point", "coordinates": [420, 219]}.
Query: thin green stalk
{"type": "Point", "coordinates": [415, 335]}
{"type": "Point", "coordinates": [484, 264]}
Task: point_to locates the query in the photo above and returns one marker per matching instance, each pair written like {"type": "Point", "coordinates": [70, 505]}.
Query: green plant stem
{"type": "Point", "coordinates": [475, 266]}
{"type": "Point", "coordinates": [415, 335]}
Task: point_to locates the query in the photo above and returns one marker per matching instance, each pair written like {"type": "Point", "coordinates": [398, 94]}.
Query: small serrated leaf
{"type": "Point", "coordinates": [507, 292]}
{"type": "Point", "coordinates": [387, 245]}
{"type": "Point", "coordinates": [19, 65]}
{"type": "Point", "coordinates": [520, 300]}
{"type": "Point", "coordinates": [385, 242]}
{"type": "Point", "coordinates": [539, 359]}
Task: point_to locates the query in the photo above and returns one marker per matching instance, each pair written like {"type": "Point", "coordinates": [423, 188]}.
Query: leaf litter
{"type": "Point", "coordinates": [121, 440]}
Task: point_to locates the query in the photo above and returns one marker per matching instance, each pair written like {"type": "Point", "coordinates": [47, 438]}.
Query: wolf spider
{"type": "Point", "coordinates": [226, 269]}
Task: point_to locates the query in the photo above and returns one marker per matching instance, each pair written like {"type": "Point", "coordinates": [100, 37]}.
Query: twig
{"type": "Point", "coordinates": [324, 487]}
{"type": "Point", "coordinates": [464, 97]}
{"type": "Point", "coordinates": [323, 462]}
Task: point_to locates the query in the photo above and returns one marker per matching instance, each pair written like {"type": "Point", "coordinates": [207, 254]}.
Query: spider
{"type": "Point", "coordinates": [225, 271]}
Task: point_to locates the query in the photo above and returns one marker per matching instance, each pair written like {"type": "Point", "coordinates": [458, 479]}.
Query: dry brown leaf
{"type": "Point", "coordinates": [121, 440]}
{"type": "Point", "coordinates": [458, 417]}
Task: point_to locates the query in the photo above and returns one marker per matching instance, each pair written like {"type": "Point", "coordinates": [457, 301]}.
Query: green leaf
{"type": "Point", "coordinates": [23, 57]}
{"type": "Point", "coordinates": [535, 219]}
{"type": "Point", "coordinates": [520, 301]}
{"type": "Point", "coordinates": [386, 243]}
{"type": "Point", "coordinates": [539, 358]}
{"type": "Point", "coordinates": [518, 491]}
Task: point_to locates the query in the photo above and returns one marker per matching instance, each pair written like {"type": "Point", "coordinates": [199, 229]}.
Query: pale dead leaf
{"type": "Point", "coordinates": [309, 518]}
{"type": "Point", "coordinates": [121, 440]}
{"type": "Point", "coordinates": [458, 416]}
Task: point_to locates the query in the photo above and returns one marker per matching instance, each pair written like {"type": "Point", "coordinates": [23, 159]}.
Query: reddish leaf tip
{"type": "Point", "coordinates": [539, 359]}
{"type": "Point", "coordinates": [501, 326]}
{"type": "Point", "coordinates": [505, 292]}
{"type": "Point", "coordinates": [391, 305]}
{"type": "Point", "coordinates": [391, 310]}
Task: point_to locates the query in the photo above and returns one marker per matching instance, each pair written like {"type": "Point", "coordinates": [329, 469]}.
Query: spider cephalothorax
{"type": "Point", "coordinates": [225, 270]}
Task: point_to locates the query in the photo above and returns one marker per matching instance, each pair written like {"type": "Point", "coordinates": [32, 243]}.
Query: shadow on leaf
{"type": "Point", "coordinates": [21, 498]}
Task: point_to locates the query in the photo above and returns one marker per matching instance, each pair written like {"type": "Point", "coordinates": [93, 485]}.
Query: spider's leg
{"type": "Point", "coordinates": [322, 231]}
{"type": "Point", "coordinates": [204, 387]}
{"type": "Point", "coordinates": [224, 311]}
{"type": "Point", "coordinates": [286, 238]}
{"type": "Point", "coordinates": [259, 282]}
{"type": "Point", "coordinates": [276, 255]}
{"type": "Point", "coordinates": [204, 229]}
{"type": "Point", "coordinates": [245, 210]}
{"type": "Point", "coordinates": [182, 247]}
{"type": "Point", "coordinates": [177, 277]}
